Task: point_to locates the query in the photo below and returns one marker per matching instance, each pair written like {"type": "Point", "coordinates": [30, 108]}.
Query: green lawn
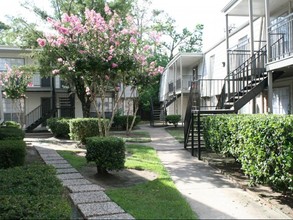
{"type": "Point", "coordinates": [134, 136]}
{"type": "Point", "coordinates": [157, 199]}
{"type": "Point", "coordinates": [177, 133]}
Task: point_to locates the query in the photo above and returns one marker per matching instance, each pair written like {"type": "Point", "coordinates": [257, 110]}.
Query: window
{"type": "Point", "coordinates": [10, 62]}
{"type": "Point", "coordinates": [12, 110]}
{"type": "Point", "coordinates": [281, 100]}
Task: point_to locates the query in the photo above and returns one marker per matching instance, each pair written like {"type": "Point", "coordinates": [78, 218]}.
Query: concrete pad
{"type": "Point", "coordinates": [66, 170]}
{"type": "Point", "coordinates": [84, 188]}
{"type": "Point", "coordinates": [68, 176]}
{"type": "Point", "coordinates": [60, 161]}
{"type": "Point", "coordinates": [115, 216]}
{"type": "Point", "coordinates": [51, 157]}
{"type": "Point", "coordinates": [73, 182]}
{"type": "Point", "coordinates": [61, 165]}
{"type": "Point", "coordinates": [98, 209]}
{"type": "Point", "coordinates": [89, 197]}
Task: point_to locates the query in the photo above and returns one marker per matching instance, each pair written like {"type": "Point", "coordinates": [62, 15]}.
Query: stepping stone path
{"type": "Point", "coordinates": [90, 199]}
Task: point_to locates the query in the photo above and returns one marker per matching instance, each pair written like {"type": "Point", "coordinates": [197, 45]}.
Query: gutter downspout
{"type": "Point", "coordinates": [270, 74]}
{"type": "Point", "coordinates": [250, 12]}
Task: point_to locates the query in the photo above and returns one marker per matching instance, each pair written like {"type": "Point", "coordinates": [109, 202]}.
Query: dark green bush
{"type": "Point", "coordinates": [32, 192]}
{"type": "Point", "coordinates": [82, 128]}
{"type": "Point", "coordinates": [263, 144]}
{"type": "Point", "coordinates": [59, 127]}
{"type": "Point", "coordinates": [12, 153]}
{"type": "Point", "coordinates": [11, 133]}
{"type": "Point", "coordinates": [121, 121]}
{"type": "Point", "coordinates": [107, 152]}
{"type": "Point", "coordinates": [11, 124]}
{"type": "Point", "coordinates": [173, 119]}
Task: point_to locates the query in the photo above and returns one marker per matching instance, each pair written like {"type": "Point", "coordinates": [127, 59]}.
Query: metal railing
{"type": "Point", "coordinates": [281, 38]}
{"type": "Point", "coordinates": [251, 70]}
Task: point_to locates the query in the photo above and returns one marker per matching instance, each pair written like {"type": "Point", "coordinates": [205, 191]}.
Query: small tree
{"type": "Point", "coordinates": [15, 82]}
{"type": "Point", "coordinates": [96, 55]}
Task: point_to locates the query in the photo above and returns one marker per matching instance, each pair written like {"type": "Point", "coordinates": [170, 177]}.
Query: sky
{"type": "Point", "coordinates": [187, 13]}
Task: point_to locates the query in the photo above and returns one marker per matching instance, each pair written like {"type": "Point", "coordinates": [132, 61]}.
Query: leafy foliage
{"type": "Point", "coordinates": [32, 192]}
{"type": "Point", "coordinates": [107, 152]}
{"type": "Point", "coordinates": [263, 144]}
{"type": "Point", "coordinates": [59, 126]}
{"type": "Point", "coordinates": [173, 119]}
{"type": "Point", "coordinates": [12, 153]}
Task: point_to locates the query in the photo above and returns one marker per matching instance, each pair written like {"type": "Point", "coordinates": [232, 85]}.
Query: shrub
{"type": "Point", "coordinates": [32, 192]}
{"type": "Point", "coordinates": [11, 124]}
{"type": "Point", "coordinates": [12, 153]}
{"type": "Point", "coordinates": [11, 133]}
{"type": "Point", "coordinates": [107, 152]}
{"type": "Point", "coordinates": [263, 144]}
{"type": "Point", "coordinates": [121, 121]}
{"type": "Point", "coordinates": [59, 127]}
{"type": "Point", "coordinates": [173, 119]}
{"type": "Point", "coordinates": [82, 128]}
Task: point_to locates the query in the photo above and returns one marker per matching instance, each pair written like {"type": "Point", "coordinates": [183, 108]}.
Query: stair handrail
{"type": "Point", "coordinates": [188, 113]}
{"type": "Point", "coordinates": [34, 115]}
{"type": "Point", "coordinates": [236, 75]}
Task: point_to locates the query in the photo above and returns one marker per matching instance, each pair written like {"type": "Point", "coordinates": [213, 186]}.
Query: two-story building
{"type": "Point", "coordinates": [250, 70]}
{"type": "Point", "coordinates": [258, 50]}
{"type": "Point", "coordinates": [49, 96]}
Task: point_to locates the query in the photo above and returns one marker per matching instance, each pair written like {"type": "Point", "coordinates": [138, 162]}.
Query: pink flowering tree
{"type": "Point", "coordinates": [96, 56]}
{"type": "Point", "coordinates": [14, 82]}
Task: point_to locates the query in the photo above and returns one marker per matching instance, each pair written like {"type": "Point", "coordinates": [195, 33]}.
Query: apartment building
{"type": "Point", "coordinates": [49, 96]}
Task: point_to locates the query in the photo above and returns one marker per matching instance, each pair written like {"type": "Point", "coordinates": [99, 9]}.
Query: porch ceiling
{"type": "Point", "coordinates": [187, 60]}
{"type": "Point", "coordinates": [240, 7]}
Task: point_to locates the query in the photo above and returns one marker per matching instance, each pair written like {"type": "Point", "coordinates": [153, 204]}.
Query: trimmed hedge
{"type": "Point", "coordinates": [173, 119]}
{"type": "Point", "coordinates": [82, 128]}
{"type": "Point", "coordinates": [32, 192]}
{"type": "Point", "coordinates": [263, 144]}
{"type": "Point", "coordinates": [11, 133]}
{"type": "Point", "coordinates": [107, 152]}
{"type": "Point", "coordinates": [12, 124]}
{"type": "Point", "coordinates": [12, 153]}
{"type": "Point", "coordinates": [121, 121]}
{"type": "Point", "coordinates": [59, 127]}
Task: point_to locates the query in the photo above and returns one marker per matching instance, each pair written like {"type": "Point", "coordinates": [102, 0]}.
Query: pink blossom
{"type": "Point", "coordinates": [41, 42]}
{"type": "Point", "coordinates": [55, 72]}
{"type": "Point", "coordinates": [60, 60]}
{"type": "Point", "coordinates": [133, 40]}
{"type": "Point", "coordinates": [146, 47]}
{"type": "Point", "coordinates": [114, 65]}
{"type": "Point", "coordinates": [107, 10]}
{"type": "Point", "coordinates": [87, 90]}
{"type": "Point", "coordinates": [30, 84]}
{"type": "Point", "coordinates": [107, 77]}
{"type": "Point", "coordinates": [110, 58]}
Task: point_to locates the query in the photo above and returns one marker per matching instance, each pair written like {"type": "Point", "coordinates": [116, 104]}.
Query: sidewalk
{"type": "Point", "coordinates": [210, 194]}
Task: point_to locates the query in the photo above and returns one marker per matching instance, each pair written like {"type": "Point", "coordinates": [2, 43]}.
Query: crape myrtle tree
{"type": "Point", "coordinates": [15, 81]}
{"type": "Point", "coordinates": [96, 55]}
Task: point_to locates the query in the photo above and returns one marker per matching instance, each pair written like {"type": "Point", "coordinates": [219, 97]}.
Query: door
{"type": "Point", "coordinates": [46, 108]}
{"type": "Point", "coordinates": [281, 100]}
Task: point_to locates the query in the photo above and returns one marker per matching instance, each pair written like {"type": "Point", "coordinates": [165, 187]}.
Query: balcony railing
{"type": "Point", "coordinates": [281, 38]}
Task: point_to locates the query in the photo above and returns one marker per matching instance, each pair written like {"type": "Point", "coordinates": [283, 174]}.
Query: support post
{"type": "Point", "coordinates": [198, 136]}
{"type": "Point", "coordinates": [270, 92]}
{"type": "Point", "coordinates": [192, 134]}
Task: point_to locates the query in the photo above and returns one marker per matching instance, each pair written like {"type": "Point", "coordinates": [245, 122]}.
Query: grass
{"type": "Point", "coordinates": [177, 133]}
{"type": "Point", "coordinates": [76, 161]}
{"type": "Point", "coordinates": [134, 136]}
{"type": "Point", "coordinates": [157, 199]}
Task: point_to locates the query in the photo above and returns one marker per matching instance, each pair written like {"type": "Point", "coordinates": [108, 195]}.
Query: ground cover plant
{"type": "Point", "coordinates": [32, 192]}
{"type": "Point", "coordinates": [157, 199]}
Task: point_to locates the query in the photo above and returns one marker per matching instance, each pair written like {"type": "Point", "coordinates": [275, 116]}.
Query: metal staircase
{"type": "Point", "coordinates": [240, 86]}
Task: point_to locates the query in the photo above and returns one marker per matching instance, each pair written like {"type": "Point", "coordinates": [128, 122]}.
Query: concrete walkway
{"type": "Point", "coordinates": [90, 199]}
{"type": "Point", "coordinates": [210, 194]}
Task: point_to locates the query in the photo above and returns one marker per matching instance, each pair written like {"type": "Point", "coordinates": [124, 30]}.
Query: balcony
{"type": "Point", "coordinates": [281, 42]}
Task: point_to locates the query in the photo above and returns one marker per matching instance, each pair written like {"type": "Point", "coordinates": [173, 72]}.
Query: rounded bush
{"type": "Point", "coordinates": [107, 152]}
{"type": "Point", "coordinates": [173, 119]}
{"type": "Point", "coordinates": [12, 153]}
{"type": "Point", "coordinates": [59, 127]}
{"type": "Point", "coordinates": [11, 133]}
{"type": "Point", "coordinates": [121, 121]}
